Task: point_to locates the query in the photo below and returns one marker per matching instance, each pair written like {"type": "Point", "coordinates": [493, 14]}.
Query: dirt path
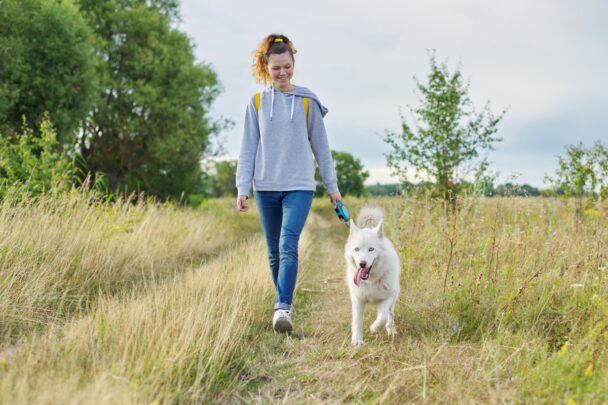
{"type": "Point", "coordinates": [317, 363]}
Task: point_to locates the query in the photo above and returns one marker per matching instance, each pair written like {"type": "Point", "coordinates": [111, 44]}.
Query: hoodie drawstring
{"type": "Point", "coordinates": [293, 96]}
{"type": "Point", "coordinates": [272, 103]}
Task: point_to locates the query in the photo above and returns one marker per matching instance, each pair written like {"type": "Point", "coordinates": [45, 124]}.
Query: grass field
{"type": "Point", "coordinates": [506, 302]}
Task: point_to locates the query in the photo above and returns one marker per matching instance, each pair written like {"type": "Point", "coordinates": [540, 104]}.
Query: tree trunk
{"type": "Point", "coordinates": [449, 197]}
{"type": "Point", "coordinates": [579, 208]}
{"type": "Point", "coordinates": [114, 179]}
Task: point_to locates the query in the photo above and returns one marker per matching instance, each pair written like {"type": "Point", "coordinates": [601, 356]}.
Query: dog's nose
{"type": "Point", "coordinates": [363, 264]}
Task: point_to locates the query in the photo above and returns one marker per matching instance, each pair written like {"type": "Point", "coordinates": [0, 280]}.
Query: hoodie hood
{"type": "Point", "coordinates": [299, 91]}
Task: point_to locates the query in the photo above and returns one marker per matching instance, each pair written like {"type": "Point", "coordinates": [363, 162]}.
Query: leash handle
{"type": "Point", "coordinates": [342, 213]}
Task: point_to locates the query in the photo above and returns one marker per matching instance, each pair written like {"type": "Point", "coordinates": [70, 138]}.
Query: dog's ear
{"type": "Point", "coordinates": [379, 229]}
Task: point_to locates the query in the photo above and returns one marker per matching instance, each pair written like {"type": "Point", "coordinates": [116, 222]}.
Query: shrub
{"type": "Point", "coordinates": [34, 165]}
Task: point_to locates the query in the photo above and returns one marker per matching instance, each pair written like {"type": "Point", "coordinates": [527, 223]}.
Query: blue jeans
{"type": "Point", "coordinates": [282, 214]}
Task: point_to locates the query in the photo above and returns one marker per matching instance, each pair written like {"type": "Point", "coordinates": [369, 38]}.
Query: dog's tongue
{"type": "Point", "coordinates": [362, 274]}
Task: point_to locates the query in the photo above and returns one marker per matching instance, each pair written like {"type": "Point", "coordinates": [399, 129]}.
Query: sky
{"type": "Point", "coordinates": [546, 62]}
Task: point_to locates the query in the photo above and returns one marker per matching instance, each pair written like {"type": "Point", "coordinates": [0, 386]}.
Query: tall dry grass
{"type": "Point", "coordinates": [58, 255]}
{"type": "Point", "coordinates": [505, 302]}
{"type": "Point", "coordinates": [182, 340]}
{"type": "Point", "coordinates": [173, 342]}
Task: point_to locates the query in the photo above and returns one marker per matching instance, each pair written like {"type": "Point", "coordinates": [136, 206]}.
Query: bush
{"type": "Point", "coordinates": [33, 165]}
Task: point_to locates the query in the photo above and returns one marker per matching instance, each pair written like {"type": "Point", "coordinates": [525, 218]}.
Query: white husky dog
{"type": "Point", "coordinates": [372, 272]}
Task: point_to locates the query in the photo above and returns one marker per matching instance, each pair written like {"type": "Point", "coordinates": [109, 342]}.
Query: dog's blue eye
{"type": "Point", "coordinates": [371, 249]}
{"type": "Point", "coordinates": [356, 249]}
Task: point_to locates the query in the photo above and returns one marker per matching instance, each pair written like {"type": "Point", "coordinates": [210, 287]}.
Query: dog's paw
{"type": "Point", "coordinates": [375, 327]}
{"type": "Point", "coordinates": [357, 342]}
{"type": "Point", "coordinates": [391, 330]}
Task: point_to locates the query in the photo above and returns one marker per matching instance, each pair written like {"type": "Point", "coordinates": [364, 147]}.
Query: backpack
{"type": "Point", "coordinates": [304, 102]}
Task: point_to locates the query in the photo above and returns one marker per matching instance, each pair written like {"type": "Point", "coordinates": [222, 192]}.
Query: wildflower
{"type": "Point", "coordinates": [589, 370]}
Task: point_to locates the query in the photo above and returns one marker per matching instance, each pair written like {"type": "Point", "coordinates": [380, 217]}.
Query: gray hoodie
{"type": "Point", "coordinates": [276, 146]}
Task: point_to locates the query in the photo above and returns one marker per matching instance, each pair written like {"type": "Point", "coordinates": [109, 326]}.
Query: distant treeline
{"type": "Point", "coordinates": [489, 190]}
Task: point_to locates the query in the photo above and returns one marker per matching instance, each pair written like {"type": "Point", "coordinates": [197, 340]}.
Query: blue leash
{"type": "Point", "coordinates": [342, 213]}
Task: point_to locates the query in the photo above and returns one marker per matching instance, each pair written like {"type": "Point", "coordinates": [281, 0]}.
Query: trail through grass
{"type": "Point", "coordinates": [317, 362]}
{"type": "Point", "coordinates": [507, 342]}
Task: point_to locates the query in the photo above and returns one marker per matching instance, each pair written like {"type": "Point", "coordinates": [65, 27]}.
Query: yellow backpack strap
{"type": "Point", "coordinates": [305, 102]}
{"type": "Point", "coordinates": [257, 101]}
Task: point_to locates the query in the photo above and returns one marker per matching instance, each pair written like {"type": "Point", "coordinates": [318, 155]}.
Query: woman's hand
{"type": "Point", "coordinates": [334, 198]}
{"type": "Point", "coordinates": [241, 203]}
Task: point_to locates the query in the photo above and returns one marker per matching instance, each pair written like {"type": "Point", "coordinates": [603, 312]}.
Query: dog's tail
{"type": "Point", "coordinates": [369, 217]}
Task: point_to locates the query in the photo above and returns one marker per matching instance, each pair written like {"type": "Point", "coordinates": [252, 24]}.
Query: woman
{"type": "Point", "coordinates": [283, 124]}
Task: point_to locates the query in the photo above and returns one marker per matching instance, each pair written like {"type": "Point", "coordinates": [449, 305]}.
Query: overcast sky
{"type": "Point", "coordinates": [546, 61]}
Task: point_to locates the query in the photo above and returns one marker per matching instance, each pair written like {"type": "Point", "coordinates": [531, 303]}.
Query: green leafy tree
{"type": "Point", "coordinates": [485, 186]}
{"type": "Point", "coordinates": [151, 127]}
{"type": "Point", "coordinates": [46, 65]}
{"type": "Point", "coordinates": [582, 172]}
{"type": "Point", "coordinates": [34, 164]}
{"type": "Point", "coordinates": [600, 155]}
{"type": "Point", "coordinates": [448, 136]}
{"type": "Point", "coordinates": [349, 172]}
{"type": "Point", "coordinates": [224, 178]}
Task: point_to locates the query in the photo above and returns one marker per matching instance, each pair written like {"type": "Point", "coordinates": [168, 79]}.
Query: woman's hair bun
{"type": "Point", "coordinates": [272, 44]}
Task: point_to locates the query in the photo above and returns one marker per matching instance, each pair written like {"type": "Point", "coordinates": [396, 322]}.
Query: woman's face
{"type": "Point", "coordinates": [280, 67]}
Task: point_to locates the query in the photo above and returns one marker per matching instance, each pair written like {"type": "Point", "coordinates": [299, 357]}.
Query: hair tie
{"type": "Point", "coordinates": [278, 40]}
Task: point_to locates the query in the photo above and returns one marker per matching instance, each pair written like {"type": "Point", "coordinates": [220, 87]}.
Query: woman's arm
{"type": "Point", "coordinates": [249, 148]}
{"type": "Point", "coordinates": [320, 148]}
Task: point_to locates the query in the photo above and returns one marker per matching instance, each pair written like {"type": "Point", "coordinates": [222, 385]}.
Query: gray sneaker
{"type": "Point", "coordinates": [281, 321]}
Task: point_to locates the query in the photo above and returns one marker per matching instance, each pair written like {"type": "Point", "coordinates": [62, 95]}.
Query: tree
{"type": "Point", "coordinates": [349, 172]}
{"type": "Point", "coordinates": [151, 127]}
{"type": "Point", "coordinates": [582, 172]}
{"type": "Point", "coordinates": [600, 155]}
{"type": "Point", "coordinates": [224, 179]}
{"type": "Point", "coordinates": [47, 65]}
{"type": "Point", "coordinates": [449, 135]}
